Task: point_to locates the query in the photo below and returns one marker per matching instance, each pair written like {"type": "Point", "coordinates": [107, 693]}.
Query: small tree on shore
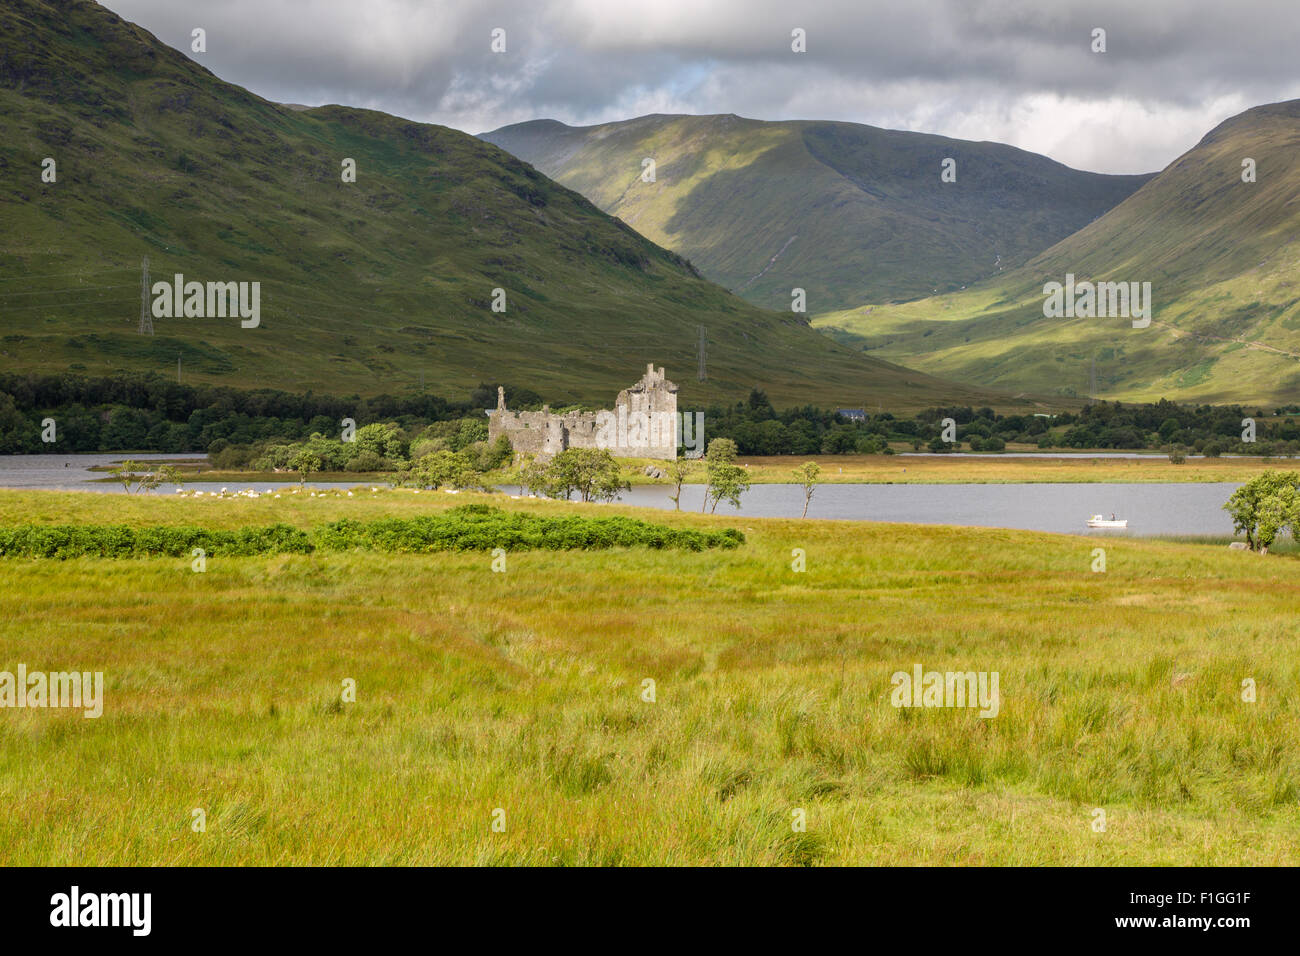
{"type": "Point", "coordinates": [532, 476]}
{"type": "Point", "coordinates": [725, 479]}
{"type": "Point", "coordinates": [439, 468]}
{"type": "Point", "coordinates": [1277, 512]}
{"type": "Point", "coordinates": [1264, 506]}
{"type": "Point", "coordinates": [306, 463]}
{"type": "Point", "coordinates": [678, 472]}
{"type": "Point", "coordinates": [807, 475]}
{"type": "Point", "coordinates": [137, 476]}
{"type": "Point", "coordinates": [591, 472]}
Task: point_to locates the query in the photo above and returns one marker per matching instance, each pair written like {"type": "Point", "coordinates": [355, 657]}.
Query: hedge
{"type": "Point", "coordinates": [467, 528]}
{"type": "Point", "coordinates": [482, 528]}
{"type": "Point", "coordinates": [123, 541]}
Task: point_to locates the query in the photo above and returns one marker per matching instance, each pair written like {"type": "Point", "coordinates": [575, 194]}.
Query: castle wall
{"type": "Point", "coordinates": [532, 433]}
{"type": "Point", "coordinates": [643, 424]}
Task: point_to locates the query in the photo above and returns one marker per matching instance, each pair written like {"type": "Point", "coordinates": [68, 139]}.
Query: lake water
{"type": "Point", "coordinates": [72, 473]}
{"type": "Point", "coordinates": [1184, 508]}
{"type": "Point", "coordinates": [1150, 508]}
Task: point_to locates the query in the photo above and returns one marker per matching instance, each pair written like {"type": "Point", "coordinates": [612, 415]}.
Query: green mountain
{"type": "Point", "coordinates": [849, 213]}
{"type": "Point", "coordinates": [1222, 256]}
{"type": "Point", "coordinates": [384, 284]}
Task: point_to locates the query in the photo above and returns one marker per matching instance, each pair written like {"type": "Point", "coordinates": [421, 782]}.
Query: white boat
{"type": "Point", "coordinates": [1097, 521]}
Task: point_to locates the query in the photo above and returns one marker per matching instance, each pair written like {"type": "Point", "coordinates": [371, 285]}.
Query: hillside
{"type": "Point", "coordinates": [384, 284]}
{"type": "Point", "coordinates": [1221, 256]}
{"type": "Point", "coordinates": [849, 213]}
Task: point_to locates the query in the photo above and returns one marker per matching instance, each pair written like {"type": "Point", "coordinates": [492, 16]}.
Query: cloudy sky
{"type": "Point", "coordinates": [1014, 71]}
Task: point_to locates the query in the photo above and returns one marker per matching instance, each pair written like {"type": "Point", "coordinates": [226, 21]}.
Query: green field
{"type": "Point", "coordinates": [1000, 469]}
{"type": "Point", "coordinates": [521, 691]}
{"type": "Point", "coordinates": [866, 469]}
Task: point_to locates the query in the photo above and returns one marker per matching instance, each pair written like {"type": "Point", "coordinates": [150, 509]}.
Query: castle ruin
{"type": "Point", "coordinates": [643, 424]}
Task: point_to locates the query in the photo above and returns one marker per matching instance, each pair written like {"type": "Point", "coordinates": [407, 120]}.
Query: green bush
{"type": "Point", "coordinates": [232, 457]}
{"type": "Point", "coordinates": [475, 527]}
{"type": "Point", "coordinates": [481, 528]}
{"type": "Point", "coordinates": [122, 541]}
{"type": "Point", "coordinates": [367, 460]}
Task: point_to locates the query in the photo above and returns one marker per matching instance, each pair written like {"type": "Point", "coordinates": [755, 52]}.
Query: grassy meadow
{"type": "Point", "coordinates": [999, 469]}
{"type": "Point", "coordinates": [861, 469]}
{"type": "Point", "coordinates": [522, 691]}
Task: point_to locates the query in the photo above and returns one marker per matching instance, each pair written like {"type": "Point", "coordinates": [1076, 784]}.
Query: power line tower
{"type": "Point", "coordinates": [702, 375]}
{"type": "Point", "coordinates": [146, 318]}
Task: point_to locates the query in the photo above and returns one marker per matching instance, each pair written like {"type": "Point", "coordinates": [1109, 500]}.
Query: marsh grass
{"type": "Point", "coordinates": [1285, 543]}
{"type": "Point", "coordinates": [523, 691]}
{"type": "Point", "coordinates": [1001, 469]}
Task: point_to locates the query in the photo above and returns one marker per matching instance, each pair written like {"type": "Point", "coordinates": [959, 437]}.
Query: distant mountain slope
{"type": "Point", "coordinates": [849, 213]}
{"type": "Point", "coordinates": [1223, 260]}
{"type": "Point", "coordinates": [384, 284]}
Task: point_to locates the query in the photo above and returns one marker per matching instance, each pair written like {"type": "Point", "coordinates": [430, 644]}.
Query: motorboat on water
{"type": "Point", "coordinates": [1098, 521]}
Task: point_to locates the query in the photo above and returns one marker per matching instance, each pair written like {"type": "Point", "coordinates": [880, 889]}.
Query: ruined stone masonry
{"type": "Point", "coordinates": [643, 424]}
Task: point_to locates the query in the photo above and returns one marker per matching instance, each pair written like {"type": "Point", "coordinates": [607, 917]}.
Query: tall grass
{"type": "Point", "coordinates": [525, 692]}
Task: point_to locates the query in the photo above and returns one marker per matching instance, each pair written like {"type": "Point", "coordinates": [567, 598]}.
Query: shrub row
{"type": "Point", "coordinates": [468, 528]}
{"type": "Point", "coordinates": [123, 541]}
{"type": "Point", "coordinates": [482, 528]}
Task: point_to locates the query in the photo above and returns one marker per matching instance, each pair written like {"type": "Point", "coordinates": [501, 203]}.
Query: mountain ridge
{"type": "Point", "coordinates": [874, 220]}
{"type": "Point", "coordinates": [1221, 254]}
{"type": "Point", "coordinates": [381, 284]}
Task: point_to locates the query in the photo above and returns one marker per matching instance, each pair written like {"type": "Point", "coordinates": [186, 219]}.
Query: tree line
{"type": "Point", "coordinates": [759, 429]}
{"type": "Point", "coordinates": [151, 413]}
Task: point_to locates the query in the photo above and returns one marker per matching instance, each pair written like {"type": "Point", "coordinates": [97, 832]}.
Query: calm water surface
{"type": "Point", "coordinates": [72, 473]}
{"type": "Point", "coordinates": [1149, 508]}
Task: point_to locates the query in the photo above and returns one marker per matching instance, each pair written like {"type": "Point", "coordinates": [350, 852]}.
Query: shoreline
{"type": "Point", "coordinates": [922, 469]}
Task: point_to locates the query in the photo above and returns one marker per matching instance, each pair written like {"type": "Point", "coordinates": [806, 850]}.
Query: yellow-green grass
{"type": "Point", "coordinates": [982, 469]}
{"type": "Point", "coordinates": [866, 469]}
{"type": "Point", "coordinates": [996, 469]}
{"type": "Point", "coordinates": [190, 473]}
{"type": "Point", "coordinates": [522, 691]}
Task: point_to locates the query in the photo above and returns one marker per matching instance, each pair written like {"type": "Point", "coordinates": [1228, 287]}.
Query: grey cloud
{"type": "Point", "coordinates": [987, 69]}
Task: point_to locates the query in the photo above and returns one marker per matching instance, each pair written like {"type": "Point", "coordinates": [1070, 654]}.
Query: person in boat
{"type": "Point", "coordinates": [1112, 516]}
